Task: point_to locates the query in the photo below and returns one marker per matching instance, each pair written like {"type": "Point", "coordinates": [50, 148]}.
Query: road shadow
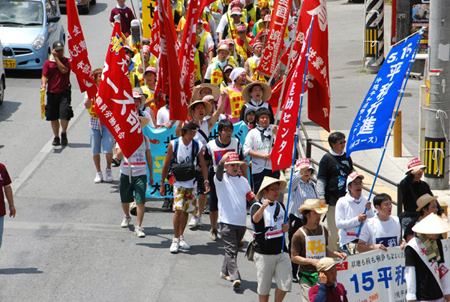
{"type": "Point", "coordinates": [18, 271]}
{"type": "Point", "coordinates": [7, 109]}
{"type": "Point", "coordinates": [94, 9]}
{"type": "Point", "coordinates": [22, 74]}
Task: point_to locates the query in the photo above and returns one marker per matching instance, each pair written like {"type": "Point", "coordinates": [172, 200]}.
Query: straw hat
{"type": "Point", "coordinates": [267, 92]}
{"type": "Point", "coordinates": [424, 200]}
{"type": "Point", "coordinates": [414, 163]}
{"type": "Point", "coordinates": [214, 88]}
{"type": "Point", "coordinates": [432, 224]}
{"type": "Point", "coordinates": [191, 106]}
{"type": "Point", "coordinates": [223, 47]}
{"type": "Point", "coordinates": [313, 205]}
{"type": "Point", "coordinates": [267, 181]}
{"type": "Point", "coordinates": [233, 159]}
{"type": "Point", "coordinates": [144, 121]}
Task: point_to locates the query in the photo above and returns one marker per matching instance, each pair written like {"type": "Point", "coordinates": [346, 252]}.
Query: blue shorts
{"type": "Point", "coordinates": [98, 142]}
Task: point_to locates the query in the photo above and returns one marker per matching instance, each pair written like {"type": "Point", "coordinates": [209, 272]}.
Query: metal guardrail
{"type": "Point", "coordinates": [306, 144]}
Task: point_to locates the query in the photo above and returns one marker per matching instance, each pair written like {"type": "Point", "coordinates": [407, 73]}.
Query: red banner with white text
{"type": "Point", "coordinates": [79, 61]}
{"type": "Point", "coordinates": [282, 152]}
{"type": "Point", "coordinates": [169, 78]}
{"type": "Point", "coordinates": [115, 105]}
{"type": "Point", "coordinates": [156, 33]}
{"type": "Point", "coordinates": [278, 23]}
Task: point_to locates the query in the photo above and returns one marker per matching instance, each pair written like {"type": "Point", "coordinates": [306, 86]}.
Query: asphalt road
{"type": "Point", "coordinates": [66, 243]}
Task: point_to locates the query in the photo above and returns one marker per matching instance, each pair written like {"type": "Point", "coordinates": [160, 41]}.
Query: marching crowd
{"type": "Point", "coordinates": [231, 36]}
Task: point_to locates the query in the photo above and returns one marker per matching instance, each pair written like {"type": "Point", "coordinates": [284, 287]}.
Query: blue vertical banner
{"type": "Point", "coordinates": [160, 139]}
{"type": "Point", "coordinates": [375, 115]}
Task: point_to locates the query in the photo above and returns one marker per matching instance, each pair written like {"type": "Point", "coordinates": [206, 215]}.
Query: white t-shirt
{"type": "Point", "coordinates": [232, 192]}
{"type": "Point", "coordinates": [163, 116]}
{"type": "Point", "coordinates": [137, 160]}
{"type": "Point", "coordinates": [346, 216]}
{"type": "Point", "coordinates": [375, 231]}
{"type": "Point", "coordinates": [253, 141]}
{"type": "Point", "coordinates": [184, 154]}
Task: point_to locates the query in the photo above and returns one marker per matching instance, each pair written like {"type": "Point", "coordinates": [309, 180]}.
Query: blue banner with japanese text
{"type": "Point", "coordinates": [160, 139]}
{"type": "Point", "coordinates": [375, 115]}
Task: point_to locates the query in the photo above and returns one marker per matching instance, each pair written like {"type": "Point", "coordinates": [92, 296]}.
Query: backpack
{"type": "Point", "coordinates": [184, 171]}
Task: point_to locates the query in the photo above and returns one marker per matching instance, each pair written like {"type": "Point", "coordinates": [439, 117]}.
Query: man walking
{"type": "Point", "coordinates": [56, 78]}
{"type": "Point", "coordinates": [334, 167]}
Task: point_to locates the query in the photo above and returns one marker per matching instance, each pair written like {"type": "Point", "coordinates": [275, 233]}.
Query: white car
{"type": "Point", "coordinates": [2, 76]}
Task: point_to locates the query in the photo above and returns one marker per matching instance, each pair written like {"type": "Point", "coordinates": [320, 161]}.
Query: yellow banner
{"type": "Point", "coordinates": [148, 9]}
{"type": "Point", "coordinates": [42, 104]}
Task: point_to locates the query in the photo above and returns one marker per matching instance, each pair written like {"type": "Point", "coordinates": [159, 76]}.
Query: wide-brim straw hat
{"type": "Point", "coordinates": [267, 92]}
{"type": "Point", "coordinates": [144, 121]}
{"type": "Point", "coordinates": [214, 88]}
{"type": "Point", "coordinates": [208, 107]}
{"type": "Point", "coordinates": [432, 224]}
{"type": "Point", "coordinates": [313, 205]}
{"type": "Point", "coordinates": [424, 200]}
{"type": "Point", "coordinates": [267, 181]}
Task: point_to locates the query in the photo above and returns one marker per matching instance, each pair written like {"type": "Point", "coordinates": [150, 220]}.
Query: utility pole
{"type": "Point", "coordinates": [437, 130]}
{"type": "Point", "coordinates": [374, 35]}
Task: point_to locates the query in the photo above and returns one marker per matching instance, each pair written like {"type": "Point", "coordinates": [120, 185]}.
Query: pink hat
{"type": "Point", "coordinates": [229, 41]}
{"type": "Point", "coordinates": [241, 27]}
{"type": "Point", "coordinates": [414, 163]}
{"type": "Point", "coordinates": [257, 43]}
{"type": "Point", "coordinates": [233, 159]}
{"type": "Point", "coordinates": [237, 2]}
{"type": "Point", "coordinates": [302, 162]}
{"type": "Point", "coordinates": [136, 95]}
{"type": "Point", "coordinates": [237, 11]}
{"type": "Point", "coordinates": [354, 175]}
{"type": "Point", "coordinates": [146, 48]}
{"type": "Point", "coordinates": [128, 48]}
{"type": "Point", "coordinates": [151, 69]}
{"type": "Point", "coordinates": [267, 17]}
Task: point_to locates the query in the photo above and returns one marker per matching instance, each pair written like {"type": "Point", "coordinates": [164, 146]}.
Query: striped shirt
{"type": "Point", "coordinates": [302, 192]}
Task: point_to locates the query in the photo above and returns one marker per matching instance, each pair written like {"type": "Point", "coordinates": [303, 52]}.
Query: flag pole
{"type": "Point", "coordinates": [284, 84]}
{"type": "Point", "coordinates": [402, 91]}
{"type": "Point", "coordinates": [298, 124]}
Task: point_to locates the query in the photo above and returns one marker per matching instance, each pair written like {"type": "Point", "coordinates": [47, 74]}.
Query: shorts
{"type": "Point", "coordinates": [99, 142]}
{"type": "Point", "coordinates": [138, 186]}
{"type": "Point", "coordinates": [213, 200]}
{"type": "Point", "coordinates": [58, 106]}
{"type": "Point", "coordinates": [200, 182]}
{"type": "Point", "coordinates": [184, 199]}
{"type": "Point", "coordinates": [277, 267]}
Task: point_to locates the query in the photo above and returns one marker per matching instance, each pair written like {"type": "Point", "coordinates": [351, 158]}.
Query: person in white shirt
{"type": "Point", "coordinates": [137, 181]}
{"type": "Point", "coordinates": [383, 230]}
{"type": "Point", "coordinates": [257, 145]}
{"type": "Point", "coordinates": [183, 154]}
{"type": "Point", "coordinates": [234, 193]}
{"type": "Point", "coordinates": [350, 213]}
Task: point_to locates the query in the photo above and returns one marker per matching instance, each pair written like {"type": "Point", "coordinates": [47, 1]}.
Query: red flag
{"type": "Point", "coordinates": [186, 53]}
{"type": "Point", "coordinates": [79, 61]}
{"type": "Point", "coordinates": [115, 105]}
{"type": "Point", "coordinates": [169, 78]}
{"type": "Point", "coordinates": [318, 78]}
{"type": "Point", "coordinates": [277, 28]}
{"type": "Point", "coordinates": [282, 152]}
{"type": "Point", "coordinates": [156, 36]}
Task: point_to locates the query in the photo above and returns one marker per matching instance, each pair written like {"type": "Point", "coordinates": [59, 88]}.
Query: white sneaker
{"type": "Point", "coordinates": [139, 231]}
{"type": "Point", "coordinates": [174, 247]}
{"type": "Point", "coordinates": [126, 222]}
{"type": "Point", "coordinates": [183, 244]}
{"type": "Point", "coordinates": [109, 177]}
{"type": "Point", "coordinates": [194, 221]}
{"type": "Point", "coordinates": [199, 221]}
{"type": "Point", "coordinates": [98, 178]}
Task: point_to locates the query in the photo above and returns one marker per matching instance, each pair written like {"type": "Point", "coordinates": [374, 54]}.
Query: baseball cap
{"type": "Point", "coordinates": [354, 175]}
{"type": "Point", "coordinates": [58, 45]}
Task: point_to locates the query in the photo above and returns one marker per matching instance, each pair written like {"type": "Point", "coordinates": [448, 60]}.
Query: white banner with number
{"type": "Point", "coordinates": [378, 275]}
